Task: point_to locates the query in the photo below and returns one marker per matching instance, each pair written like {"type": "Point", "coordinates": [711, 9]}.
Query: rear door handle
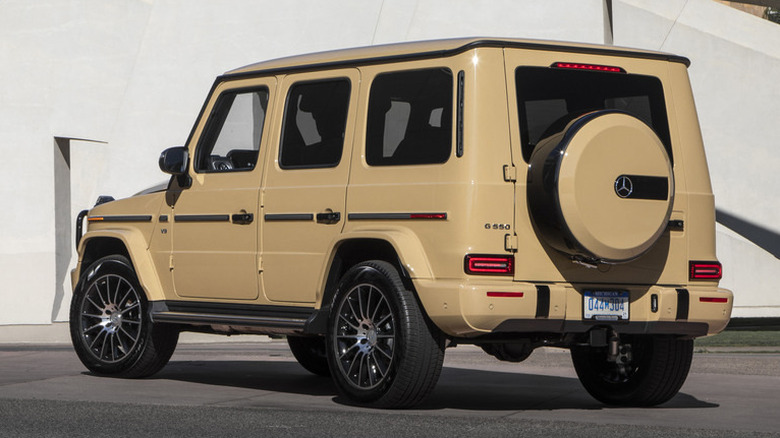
{"type": "Point", "coordinates": [243, 218]}
{"type": "Point", "coordinates": [330, 217]}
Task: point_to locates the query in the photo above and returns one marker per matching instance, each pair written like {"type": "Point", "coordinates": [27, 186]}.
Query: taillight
{"type": "Point", "coordinates": [489, 264]}
{"type": "Point", "coordinates": [591, 67]}
{"type": "Point", "coordinates": [720, 300]}
{"type": "Point", "coordinates": [441, 216]}
{"type": "Point", "coordinates": [705, 271]}
{"type": "Point", "coordinates": [505, 294]}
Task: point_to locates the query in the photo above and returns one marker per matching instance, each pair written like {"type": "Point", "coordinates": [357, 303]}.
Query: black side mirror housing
{"type": "Point", "coordinates": [175, 160]}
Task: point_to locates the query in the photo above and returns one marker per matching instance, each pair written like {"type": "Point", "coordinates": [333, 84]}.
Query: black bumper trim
{"type": "Point", "coordinates": [633, 328]}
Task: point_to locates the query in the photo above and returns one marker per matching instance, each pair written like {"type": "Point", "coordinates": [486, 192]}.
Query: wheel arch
{"type": "Point", "coordinates": [132, 245]}
{"type": "Point", "coordinates": [402, 249]}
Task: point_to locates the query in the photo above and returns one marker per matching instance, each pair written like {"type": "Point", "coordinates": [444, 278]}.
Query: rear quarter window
{"type": "Point", "coordinates": [410, 118]}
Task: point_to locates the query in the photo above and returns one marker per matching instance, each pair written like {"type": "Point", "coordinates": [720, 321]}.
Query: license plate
{"type": "Point", "coordinates": [601, 305]}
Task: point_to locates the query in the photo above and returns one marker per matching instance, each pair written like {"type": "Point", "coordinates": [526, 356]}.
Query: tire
{"type": "Point", "coordinates": [602, 188]}
{"type": "Point", "coordinates": [310, 353]}
{"type": "Point", "coordinates": [110, 325]}
{"type": "Point", "coordinates": [657, 371]}
{"type": "Point", "coordinates": [381, 350]}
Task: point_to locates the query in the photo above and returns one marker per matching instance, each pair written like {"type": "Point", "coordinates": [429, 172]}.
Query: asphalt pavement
{"type": "Point", "coordinates": [257, 389]}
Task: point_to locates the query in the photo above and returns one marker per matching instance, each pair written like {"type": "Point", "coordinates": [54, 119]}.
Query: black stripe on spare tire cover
{"type": "Point", "coordinates": [645, 187]}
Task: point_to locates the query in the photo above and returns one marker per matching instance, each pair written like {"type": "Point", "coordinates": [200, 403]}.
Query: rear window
{"type": "Point", "coordinates": [549, 98]}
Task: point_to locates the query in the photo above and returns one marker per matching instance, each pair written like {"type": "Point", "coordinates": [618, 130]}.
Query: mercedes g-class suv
{"type": "Point", "coordinates": [378, 205]}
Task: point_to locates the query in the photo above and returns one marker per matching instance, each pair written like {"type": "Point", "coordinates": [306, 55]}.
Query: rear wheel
{"type": "Point", "coordinates": [648, 370]}
{"type": "Point", "coordinates": [310, 353]}
{"type": "Point", "coordinates": [381, 350]}
{"type": "Point", "coordinates": [110, 325]}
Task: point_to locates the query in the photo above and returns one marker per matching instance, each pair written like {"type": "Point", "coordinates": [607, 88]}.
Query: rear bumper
{"type": "Point", "coordinates": [465, 309]}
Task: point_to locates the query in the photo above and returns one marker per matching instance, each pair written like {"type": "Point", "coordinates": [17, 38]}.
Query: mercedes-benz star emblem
{"type": "Point", "coordinates": [623, 186]}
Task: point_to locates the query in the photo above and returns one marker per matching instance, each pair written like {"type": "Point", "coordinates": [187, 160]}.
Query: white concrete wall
{"type": "Point", "coordinates": [735, 66]}
{"type": "Point", "coordinates": [130, 77]}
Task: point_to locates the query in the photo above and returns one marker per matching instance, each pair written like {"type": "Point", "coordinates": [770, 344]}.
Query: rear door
{"type": "Point", "coordinates": [549, 89]}
{"type": "Point", "coordinates": [304, 195]}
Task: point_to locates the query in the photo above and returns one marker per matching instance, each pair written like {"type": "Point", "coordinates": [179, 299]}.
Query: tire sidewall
{"type": "Point", "coordinates": [655, 382]}
{"type": "Point", "coordinates": [361, 274]}
{"type": "Point", "coordinates": [120, 266]}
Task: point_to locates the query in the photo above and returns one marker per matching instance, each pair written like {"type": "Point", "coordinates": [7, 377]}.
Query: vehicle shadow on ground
{"type": "Point", "coordinates": [458, 388]}
{"type": "Point", "coordinates": [495, 391]}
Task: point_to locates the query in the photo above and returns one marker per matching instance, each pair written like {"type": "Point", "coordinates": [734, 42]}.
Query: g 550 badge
{"type": "Point", "coordinates": [503, 227]}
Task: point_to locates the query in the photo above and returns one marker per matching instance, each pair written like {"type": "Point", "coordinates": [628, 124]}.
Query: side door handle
{"type": "Point", "coordinates": [243, 218]}
{"type": "Point", "coordinates": [330, 217]}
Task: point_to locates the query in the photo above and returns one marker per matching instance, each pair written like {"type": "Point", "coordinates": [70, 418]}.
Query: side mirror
{"type": "Point", "coordinates": [175, 160]}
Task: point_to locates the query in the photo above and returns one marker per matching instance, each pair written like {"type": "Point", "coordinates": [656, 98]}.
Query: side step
{"type": "Point", "coordinates": [233, 318]}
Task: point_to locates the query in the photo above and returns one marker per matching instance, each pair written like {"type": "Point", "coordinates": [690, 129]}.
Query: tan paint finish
{"type": "Point", "coordinates": [293, 258]}
{"type": "Point", "coordinates": [136, 237]}
{"type": "Point", "coordinates": [218, 259]}
{"type": "Point", "coordinates": [294, 252]}
{"type": "Point", "coordinates": [599, 153]}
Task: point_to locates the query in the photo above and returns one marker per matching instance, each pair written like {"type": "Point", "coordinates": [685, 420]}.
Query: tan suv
{"type": "Point", "coordinates": [379, 205]}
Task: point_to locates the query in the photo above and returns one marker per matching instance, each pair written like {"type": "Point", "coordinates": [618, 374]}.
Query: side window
{"type": "Point", "coordinates": [231, 140]}
{"type": "Point", "coordinates": [315, 119]}
{"type": "Point", "coordinates": [410, 118]}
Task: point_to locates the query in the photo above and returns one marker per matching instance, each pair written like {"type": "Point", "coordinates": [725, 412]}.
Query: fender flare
{"type": "Point", "coordinates": [143, 264]}
{"type": "Point", "coordinates": [405, 243]}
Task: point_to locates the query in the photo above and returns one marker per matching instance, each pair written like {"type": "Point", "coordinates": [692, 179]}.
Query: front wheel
{"type": "Point", "coordinates": [381, 350]}
{"type": "Point", "coordinates": [648, 370]}
{"type": "Point", "coordinates": [110, 325]}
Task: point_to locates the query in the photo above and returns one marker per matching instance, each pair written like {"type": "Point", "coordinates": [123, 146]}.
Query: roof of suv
{"type": "Point", "coordinates": [433, 49]}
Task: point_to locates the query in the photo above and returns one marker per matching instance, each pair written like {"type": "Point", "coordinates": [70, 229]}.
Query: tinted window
{"type": "Point", "coordinates": [233, 132]}
{"type": "Point", "coordinates": [315, 119]}
{"type": "Point", "coordinates": [410, 118]}
{"type": "Point", "coordinates": [548, 99]}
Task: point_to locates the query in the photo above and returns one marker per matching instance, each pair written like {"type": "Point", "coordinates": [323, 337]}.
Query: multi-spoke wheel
{"type": "Point", "coordinates": [381, 350]}
{"type": "Point", "coordinates": [365, 336]}
{"type": "Point", "coordinates": [109, 324]}
{"type": "Point", "coordinates": [648, 370]}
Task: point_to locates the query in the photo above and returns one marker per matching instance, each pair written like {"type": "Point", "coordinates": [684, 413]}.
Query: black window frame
{"type": "Point", "coordinates": [290, 89]}
{"type": "Point", "coordinates": [214, 126]}
{"type": "Point", "coordinates": [450, 110]}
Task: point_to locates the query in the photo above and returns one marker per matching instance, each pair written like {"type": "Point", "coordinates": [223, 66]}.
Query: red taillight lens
{"type": "Point", "coordinates": [490, 264]}
{"type": "Point", "coordinates": [713, 300]}
{"type": "Point", "coordinates": [440, 216]}
{"type": "Point", "coordinates": [591, 67]}
{"type": "Point", "coordinates": [705, 271]}
{"type": "Point", "coordinates": [505, 294]}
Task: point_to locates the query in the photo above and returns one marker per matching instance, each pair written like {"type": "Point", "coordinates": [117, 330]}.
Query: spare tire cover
{"type": "Point", "coordinates": [601, 189]}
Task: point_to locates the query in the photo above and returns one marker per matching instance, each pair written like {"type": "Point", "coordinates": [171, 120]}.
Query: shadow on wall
{"type": "Point", "coordinates": [764, 238]}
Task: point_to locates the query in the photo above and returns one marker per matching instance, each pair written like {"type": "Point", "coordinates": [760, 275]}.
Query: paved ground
{"type": "Point", "coordinates": [256, 389]}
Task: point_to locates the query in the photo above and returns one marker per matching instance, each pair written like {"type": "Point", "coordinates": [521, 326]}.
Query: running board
{"type": "Point", "coordinates": [233, 317]}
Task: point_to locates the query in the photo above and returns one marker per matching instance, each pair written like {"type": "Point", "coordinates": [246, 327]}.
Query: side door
{"type": "Point", "coordinates": [305, 189]}
{"type": "Point", "coordinates": [214, 221]}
